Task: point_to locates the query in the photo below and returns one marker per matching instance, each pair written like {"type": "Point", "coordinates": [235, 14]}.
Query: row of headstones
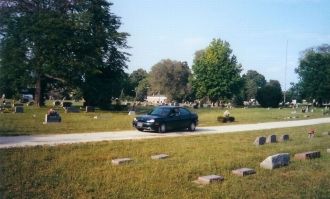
{"type": "Point", "coordinates": [15, 108]}
{"type": "Point", "coordinates": [271, 162]}
{"type": "Point", "coordinates": [261, 140]}
{"type": "Point", "coordinates": [57, 118]}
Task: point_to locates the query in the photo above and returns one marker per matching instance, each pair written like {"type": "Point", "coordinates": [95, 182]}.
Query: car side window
{"type": "Point", "coordinates": [184, 111]}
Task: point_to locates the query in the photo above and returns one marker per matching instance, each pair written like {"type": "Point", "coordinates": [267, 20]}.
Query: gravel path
{"type": "Point", "coordinates": [34, 140]}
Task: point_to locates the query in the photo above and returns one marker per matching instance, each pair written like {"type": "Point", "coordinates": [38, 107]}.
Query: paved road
{"type": "Point", "coordinates": [34, 140]}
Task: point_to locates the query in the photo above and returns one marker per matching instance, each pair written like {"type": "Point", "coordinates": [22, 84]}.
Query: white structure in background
{"type": "Point", "coordinates": [157, 99]}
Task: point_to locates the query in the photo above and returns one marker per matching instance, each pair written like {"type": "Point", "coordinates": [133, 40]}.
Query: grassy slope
{"type": "Point", "coordinates": [85, 170]}
{"type": "Point", "coordinates": [30, 122]}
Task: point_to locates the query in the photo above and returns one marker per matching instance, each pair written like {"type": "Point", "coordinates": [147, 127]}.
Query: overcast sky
{"type": "Point", "coordinates": [257, 30]}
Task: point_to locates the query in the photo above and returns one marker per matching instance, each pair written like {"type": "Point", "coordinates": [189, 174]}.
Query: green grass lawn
{"type": "Point", "coordinates": [85, 170]}
{"type": "Point", "coordinates": [31, 121]}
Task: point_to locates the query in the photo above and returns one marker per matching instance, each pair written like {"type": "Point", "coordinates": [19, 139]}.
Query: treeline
{"type": "Point", "coordinates": [65, 48]}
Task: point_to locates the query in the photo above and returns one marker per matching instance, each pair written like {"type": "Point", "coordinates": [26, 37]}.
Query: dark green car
{"type": "Point", "coordinates": [166, 118]}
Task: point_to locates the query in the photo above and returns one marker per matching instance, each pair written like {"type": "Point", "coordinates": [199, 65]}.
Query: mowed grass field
{"type": "Point", "coordinates": [85, 170]}
{"type": "Point", "coordinates": [31, 121]}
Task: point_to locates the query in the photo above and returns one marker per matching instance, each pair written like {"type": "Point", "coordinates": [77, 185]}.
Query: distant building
{"type": "Point", "coordinates": [157, 99]}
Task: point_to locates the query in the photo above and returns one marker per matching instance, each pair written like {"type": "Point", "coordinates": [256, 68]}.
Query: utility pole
{"type": "Point", "coordinates": [286, 63]}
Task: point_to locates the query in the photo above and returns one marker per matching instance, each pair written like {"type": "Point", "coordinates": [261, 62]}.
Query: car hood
{"type": "Point", "coordinates": [147, 117]}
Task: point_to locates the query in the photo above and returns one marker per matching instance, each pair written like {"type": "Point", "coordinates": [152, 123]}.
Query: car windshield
{"type": "Point", "coordinates": [160, 111]}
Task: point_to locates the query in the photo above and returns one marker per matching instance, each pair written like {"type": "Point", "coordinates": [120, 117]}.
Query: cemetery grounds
{"type": "Point", "coordinates": [86, 171]}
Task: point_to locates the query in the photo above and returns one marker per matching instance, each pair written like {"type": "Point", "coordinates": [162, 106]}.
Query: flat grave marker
{"type": "Point", "coordinates": [243, 171]}
{"type": "Point", "coordinates": [159, 156]}
{"type": "Point", "coordinates": [307, 155]}
{"type": "Point", "coordinates": [120, 161]}
{"type": "Point", "coordinates": [209, 179]}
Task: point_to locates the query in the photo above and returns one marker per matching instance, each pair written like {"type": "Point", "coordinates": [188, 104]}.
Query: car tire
{"type": "Point", "coordinates": [162, 128]}
{"type": "Point", "coordinates": [140, 130]}
{"type": "Point", "coordinates": [192, 126]}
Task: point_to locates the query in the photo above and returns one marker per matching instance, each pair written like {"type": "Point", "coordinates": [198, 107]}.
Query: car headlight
{"type": "Point", "coordinates": [151, 121]}
{"type": "Point", "coordinates": [135, 119]}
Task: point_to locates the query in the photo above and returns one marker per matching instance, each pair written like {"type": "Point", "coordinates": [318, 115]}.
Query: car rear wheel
{"type": "Point", "coordinates": [162, 128]}
{"type": "Point", "coordinates": [139, 129]}
{"type": "Point", "coordinates": [192, 126]}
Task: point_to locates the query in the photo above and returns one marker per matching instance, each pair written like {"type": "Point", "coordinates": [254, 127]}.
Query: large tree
{"type": "Point", "coordinates": [252, 81]}
{"type": "Point", "coordinates": [314, 73]}
{"type": "Point", "coordinates": [270, 95]}
{"type": "Point", "coordinates": [170, 78]}
{"type": "Point", "coordinates": [76, 43]}
{"type": "Point", "coordinates": [216, 74]}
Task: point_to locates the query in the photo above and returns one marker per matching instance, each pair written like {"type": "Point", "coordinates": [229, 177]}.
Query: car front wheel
{"type": "Point", "coordinates": [192, 126]}
{"type": "Point", "coordinates": [162, 128]}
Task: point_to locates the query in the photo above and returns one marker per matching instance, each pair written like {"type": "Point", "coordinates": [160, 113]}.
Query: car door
{"type": "Point", "coordinates": [185, 118]}
{"type": "Point", "coordinates": [174, 119]}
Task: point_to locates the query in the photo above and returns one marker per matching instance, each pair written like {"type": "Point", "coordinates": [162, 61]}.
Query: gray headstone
{"type": "Point", "coordinates": [260, 140]}
{"type": "Point", "coordinates": [284, 138]}
{"type": "Point", "coordinates": [18, 109]}
{"type": "Point", "coordinates": [52, 118]}
{"type": "Point", "coordinates": [276, 161]}
{"type": "Point", "coordinates": [328, 150]}
{"type": "Point", "coordinates": [209, 179]}
{"type": "Point", "coordinates": [71, 109]}
{"type": "Point", "coordinates": [271, 139]}
{"type": "Point", "coordinates": [243, 171]}
{"type": "Point", "coordinates": [307, 155]}
{"type": "Point", "coordinates": [159, 157]}
{"type": "Point", "coordinates": [121, 161]}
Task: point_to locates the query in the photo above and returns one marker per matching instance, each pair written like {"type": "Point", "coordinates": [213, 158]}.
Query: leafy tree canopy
{"type": "Point", "coordinates": [170, 78]}
{"type": "Point", "coordinates": [270, 95]}
{"type": "Point", "coordinates": [76, 43]}
{"type": "Point", "coordinates": [314, 73]}
{"type": "Point", "coordinates": [216, 74]}
{"type": "Point", "coordinates": [252, 81]}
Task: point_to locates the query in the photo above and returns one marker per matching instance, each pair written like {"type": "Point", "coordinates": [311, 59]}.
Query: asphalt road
{"type": "Point", "coordinates": [34, 140]}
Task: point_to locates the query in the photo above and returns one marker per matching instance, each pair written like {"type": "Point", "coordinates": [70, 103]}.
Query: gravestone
{"type": "Point", "coordinates": [7, 105]}
{"type": "Point", "coordinates": [90, 109]}
{"type": "Point", "coordinates": [307, 155]}
{"type": "Point", "coordinates": [284, 138]}
{"type": "Point", "coordinates": [52, 117]}
{"type": "Point", "coordinates": [159, 157]}
{"type": "Point", "coordinates": [260, 140]}
{"type": "Point", "coordinates": [276, 161]}
{"type": "Point", "coordinates": [271, 139]}
{"type": "Point", "coordinates": [71, 109]}
{"type": "Point", "coordinates": [209, 179]}
{"type": "Point", "coordinates": [243, 171]}
{"type": "Point", "coordinates": [328, 150]}
{"type": "Point", "coordinates": [121, 161]}
{"type": "Point", "coordinates": [18, 109]}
